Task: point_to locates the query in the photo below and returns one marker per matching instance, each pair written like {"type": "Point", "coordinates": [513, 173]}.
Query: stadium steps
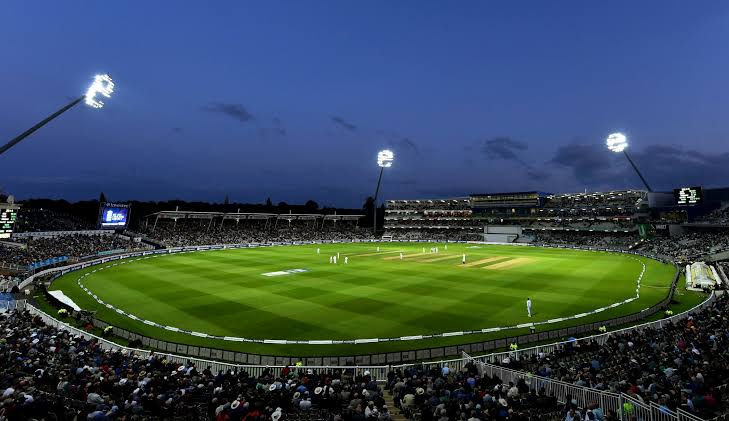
{"type": "Point", "coordinates": [394, 411]}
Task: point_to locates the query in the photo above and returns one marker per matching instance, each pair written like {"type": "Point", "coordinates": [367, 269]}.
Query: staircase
{"type": "Point", "coordinates": [394, 412]}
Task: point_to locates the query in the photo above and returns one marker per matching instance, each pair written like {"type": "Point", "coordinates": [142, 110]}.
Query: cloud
{"type": "Point", "coordinates": [508, 149]}
{"type": "Point", "coordinates": [405, 144]}
{"type": "Point", "coordinates": [504, 148]}
{"type": "Point", "coordinates": [667, 167]}
{"type": "Point", "coordinates": [590, 164]}
{"type": "Point", "coordinates": [236, 111]}
{"type": "Point", "coordinates": [344, 123]}
{"type": "Point", "coordinates": [664, 166]}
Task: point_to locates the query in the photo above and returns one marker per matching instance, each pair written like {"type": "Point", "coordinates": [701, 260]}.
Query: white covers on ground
{"type": "Point", "coordinates": [60, 296]}
{"type": "Point", "coordinates": [700, 275]}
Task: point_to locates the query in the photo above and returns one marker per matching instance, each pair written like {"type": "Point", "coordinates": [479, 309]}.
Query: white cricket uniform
{"type": "Point", "coordinates": [346, 259]}
{"type": "Point", "coordinates": [400, 256]}
{"type": "Point", "coordinates": [331, 258]}
{"type": "Point", "coordinates": [317, 251]}
{"type": "Point", "coordinates": [463, 260]}
{"type": "Point", "coordinates": [335, 260]}
{"type": "Point", "coordinates": [529, 307]}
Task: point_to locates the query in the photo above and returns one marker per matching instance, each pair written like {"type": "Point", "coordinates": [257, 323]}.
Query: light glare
{"type": "Point", "coordinates": [102, 85]}
{"type": "Point", "coordinates": [385, 158]}
{"type": "Point", "coordinates": [617, 142]}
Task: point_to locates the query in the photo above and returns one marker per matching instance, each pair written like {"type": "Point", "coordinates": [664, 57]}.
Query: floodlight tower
{"type": "Point", "coordinates": [102, 85]}
{"type": "Point", "coordinates": [384, 160]}
{"type": "Point", "coordinates": [617, 142]}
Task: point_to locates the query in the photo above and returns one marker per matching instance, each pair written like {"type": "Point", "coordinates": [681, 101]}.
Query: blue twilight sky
{"type": "Point", "coordinates": [293, 99]}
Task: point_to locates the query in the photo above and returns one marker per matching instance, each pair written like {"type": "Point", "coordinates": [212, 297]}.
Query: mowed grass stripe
{"type": "Point", "coordinates": [224, 291]}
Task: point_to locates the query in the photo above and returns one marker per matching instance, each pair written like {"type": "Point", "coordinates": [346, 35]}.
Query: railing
{"type": "Point", "coordinates": [600, 338]}
{"type": "Point", "coordinates": [377, 372]}
{"type": "Point", "coordinates": [627, 407]}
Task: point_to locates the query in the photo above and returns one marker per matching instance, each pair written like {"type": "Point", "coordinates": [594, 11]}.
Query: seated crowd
{"type": "Point", "coordinates": [679, 366]}
{"type": "Point", "coordinates": [194, 233]}
{"type": "Point", "coordinates": [689, 247]}
{"type": "Point", "coordinates": [32, 250]}
{"type": "Point", "coordinates": [443, 394]}
{"type": "Point", "coordinates": [38, 220]}
{"type": "Point", "coordinates": [50, 374]}
{"type": "Point", "coordinates": [615, 241]}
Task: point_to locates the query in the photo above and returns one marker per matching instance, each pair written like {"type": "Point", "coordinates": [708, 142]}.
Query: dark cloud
{"type": "Point", "coordinates": [339, 121]}
{"type": "Point", "coordinates": [508, 149]}
{"type": "Point", "coordinates": [236, 111]}
{"type": "Point", "coordinates": [590, 164]}
{"type": "Point", "coordinates": [504, 148]}
{"type": "Point", "coordinates": [666, 167]}
{"type": "Point", "coordinates": [405, 144]}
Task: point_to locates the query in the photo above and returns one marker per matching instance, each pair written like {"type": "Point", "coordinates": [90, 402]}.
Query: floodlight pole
{"type": "Point", "coordinates": [374, 202]}
{"type": "Point", "coordinates": [42, 123]}
{"type": "Point", "coordinates": [637, 171]}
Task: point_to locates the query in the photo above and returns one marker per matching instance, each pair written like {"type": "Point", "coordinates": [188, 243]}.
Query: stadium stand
{"type": "Point", "coordinates": [682, 365]}
{"type": "Point", "coordinates": [74, 246]}
{"type": "Point", "coordinates": [51, 374]}
{"type": "Point", "coordinates": [175, 229]}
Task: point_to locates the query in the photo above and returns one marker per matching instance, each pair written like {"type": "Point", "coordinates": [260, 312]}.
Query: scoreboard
{"type": "Point", "coordinates": [7, 221]}
{"type": "Point", "coordinates": [687, 196]}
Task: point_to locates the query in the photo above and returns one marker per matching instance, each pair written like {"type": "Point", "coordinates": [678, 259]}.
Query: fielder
{"type": "Point", "coordinates": [317, 250]}
{"type": "Point", "coordinates": [400, 255]}
{"type": "Point", "coordinates": [463, 259]}
{"type": "Point", "coordinates": [529, 307]}
{"type": "Point", "coordinates": [346, 260]}
{"type": "Point", "coordinates": [331, 259]}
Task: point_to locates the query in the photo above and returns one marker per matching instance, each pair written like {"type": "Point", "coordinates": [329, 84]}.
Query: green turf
{"type": "Point", "coordinates": [224, 293]}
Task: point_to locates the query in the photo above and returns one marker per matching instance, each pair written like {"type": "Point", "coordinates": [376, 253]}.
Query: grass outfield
{"type": "Point", "coordinates": [376, 295]}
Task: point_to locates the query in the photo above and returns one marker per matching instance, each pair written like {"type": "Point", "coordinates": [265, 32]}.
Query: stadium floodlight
{"type": "Point", "coordinates": [385, 158]}
{"type": "Point", "coordinates": [618, 142]}
{"type": "Point", "coordinates": [102, 85]}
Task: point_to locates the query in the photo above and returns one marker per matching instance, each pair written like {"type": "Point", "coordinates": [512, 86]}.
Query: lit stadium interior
{"type": "Point", "coordinates": [490, 287]}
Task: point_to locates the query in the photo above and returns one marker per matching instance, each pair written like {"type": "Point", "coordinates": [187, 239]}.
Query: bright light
{"type": "Point", "coordinates": [102, 85]}
{"type": "Point", "coordinates": [617, 142]}
{"type": "Point", "coordinates": [385, 158]}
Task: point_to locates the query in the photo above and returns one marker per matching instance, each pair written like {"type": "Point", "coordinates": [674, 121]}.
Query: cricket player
{"type": "Point", "coordinates": [346, 260]}
{"type": "Point", "coordinates": [335, 260]}
{"type": "Point", "coordinates": [378, 249]}
{"type": "Point", "coordinates": [529, 307]}
{"type": "Point", "coordinates": [317, 250]}
{"type": "Point", "coordinates": [400, 255]}
{"type": "Point", "coordinates": [331, 259]}
{"type": "Point", "coordinates": [446, 247]}
{"type": "Point", "coordinates": [463, 259]}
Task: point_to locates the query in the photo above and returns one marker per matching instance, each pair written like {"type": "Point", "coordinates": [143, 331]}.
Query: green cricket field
{"type": "Point", "coordinates": [295, 293]}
